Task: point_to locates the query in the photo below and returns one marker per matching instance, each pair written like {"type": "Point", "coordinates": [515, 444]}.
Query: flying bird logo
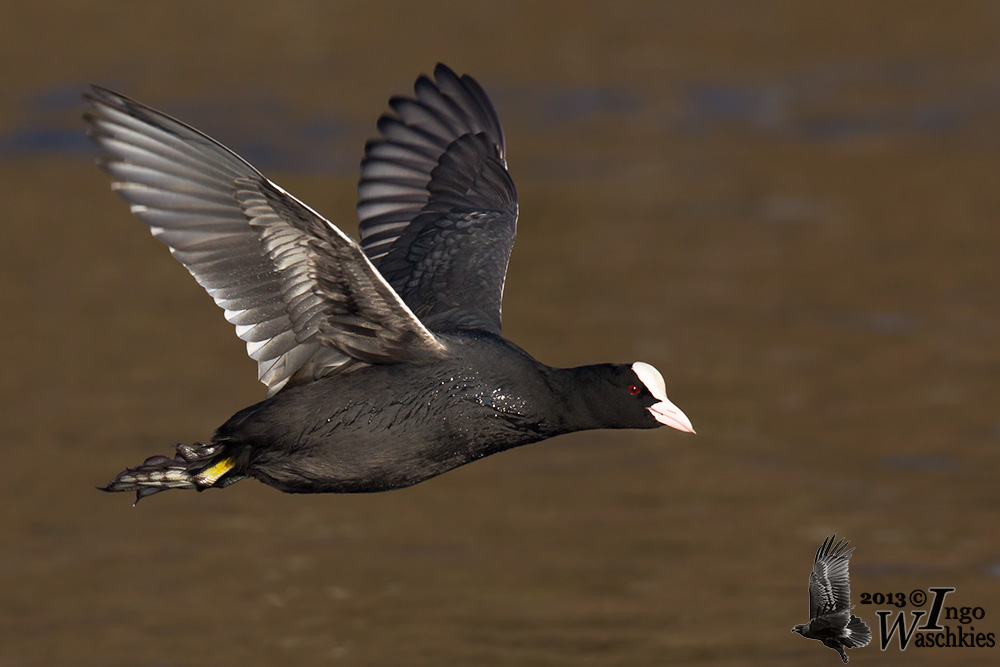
{"type": "Point", "coordinates": [831, 620]}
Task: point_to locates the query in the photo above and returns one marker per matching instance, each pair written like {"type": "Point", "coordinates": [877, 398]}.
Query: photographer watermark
{"type": "Point", "coordinates": [940, 626]}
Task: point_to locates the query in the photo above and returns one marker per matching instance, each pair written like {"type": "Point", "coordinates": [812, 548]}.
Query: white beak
{"type": "Point", "coordinates": [670, 415]}
{"type": "Point", "coordinates": [665, 412]}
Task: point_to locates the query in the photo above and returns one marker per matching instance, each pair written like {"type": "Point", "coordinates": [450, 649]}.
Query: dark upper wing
{"type": "Point", "coordinates": [302, 294]}
{"type": "Point", "coordinates": [829, 585]}
{"type": "Point", "coordinates": [437, 209]}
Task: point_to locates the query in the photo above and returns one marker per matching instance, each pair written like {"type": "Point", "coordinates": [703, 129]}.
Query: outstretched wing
{"type": "Point", "coordinates": [302, 294]}
{"type": "Point", "coordinates": [829, 585]}
{"type": "Point", "coordinates": [437, 209]}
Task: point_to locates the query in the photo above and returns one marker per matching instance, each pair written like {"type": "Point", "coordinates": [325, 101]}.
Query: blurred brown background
{"type": "Point", "coordinates": [789, 208]}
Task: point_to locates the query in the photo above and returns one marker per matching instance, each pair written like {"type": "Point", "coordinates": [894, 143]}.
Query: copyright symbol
{"type": "Point", "coordinates": [918, 597]}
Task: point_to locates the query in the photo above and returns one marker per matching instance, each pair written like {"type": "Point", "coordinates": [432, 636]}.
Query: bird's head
{"type": "Point", "coordinates": [800, 628]}
{"type": "Point", "coordinates": [654, 389]}
{"type": "Point", "coordinates": [617, 396]}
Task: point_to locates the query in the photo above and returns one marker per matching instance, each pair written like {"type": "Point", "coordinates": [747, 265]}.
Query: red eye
{"type": "Point", "coordinates": [634, 389]}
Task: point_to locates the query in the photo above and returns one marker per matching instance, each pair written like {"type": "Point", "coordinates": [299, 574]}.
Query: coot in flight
{"type": "Point", "coordinates": [831, 620]}
{"type": "Point", "coordinates": [383, 360]}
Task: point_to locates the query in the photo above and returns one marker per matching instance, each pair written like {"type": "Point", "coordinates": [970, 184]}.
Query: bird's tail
{"type": "Point", "coordinates": [197, 467]}
{"type": "Point", "coordinates": [858, 633]}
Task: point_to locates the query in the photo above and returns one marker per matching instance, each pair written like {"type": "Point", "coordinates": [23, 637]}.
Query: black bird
{"type": "Point", "coordinates": [383, 360]}
{"type": "Point", "coordinates": [831, 620]}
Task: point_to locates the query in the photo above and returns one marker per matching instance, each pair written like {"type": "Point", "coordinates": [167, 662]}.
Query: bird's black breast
{"type": "Point", "coordinates": [389, 426]}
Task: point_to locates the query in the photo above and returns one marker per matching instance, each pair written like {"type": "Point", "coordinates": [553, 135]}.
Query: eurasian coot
{"type": "Point", "coordinates": [384, 361]}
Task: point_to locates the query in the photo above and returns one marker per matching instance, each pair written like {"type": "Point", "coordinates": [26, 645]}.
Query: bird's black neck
{"type": "Point", "coordinates": [580, 397]}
